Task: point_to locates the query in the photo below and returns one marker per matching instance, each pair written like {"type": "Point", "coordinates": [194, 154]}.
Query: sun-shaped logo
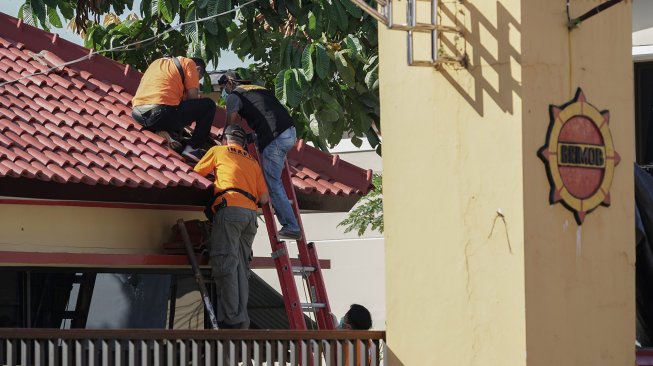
{"type": "Point", "coordinates": [579, 156]}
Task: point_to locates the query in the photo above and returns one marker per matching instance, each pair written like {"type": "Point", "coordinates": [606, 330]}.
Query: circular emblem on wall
{"type": "Point", "coordinates": [579, 156]}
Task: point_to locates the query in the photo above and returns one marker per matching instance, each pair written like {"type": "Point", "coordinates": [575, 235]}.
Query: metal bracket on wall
{"type": "Point", "coordinates": [385, 16]}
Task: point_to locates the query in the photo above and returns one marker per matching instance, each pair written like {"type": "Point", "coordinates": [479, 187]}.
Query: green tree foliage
{"type": "Point", "coordinates": [368, 214]}
{"type": "Point", "coordinates": [319, 56]}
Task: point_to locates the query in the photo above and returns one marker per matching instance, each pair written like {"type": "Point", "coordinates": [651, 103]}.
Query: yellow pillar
{"type": "Point", "coordinates": [481, 268]}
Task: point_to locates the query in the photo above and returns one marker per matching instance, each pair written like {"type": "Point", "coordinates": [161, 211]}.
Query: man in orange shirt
{"type": "Point", "coordinates": [239, 186]}
{"type": "Point", "coordinates": [168, 100]}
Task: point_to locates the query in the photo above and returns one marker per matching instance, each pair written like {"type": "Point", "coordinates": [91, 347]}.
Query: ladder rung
{"type": "Point", "coordinates": [311, 306]}
{"type": "Point", "coordinates": [302, 270]}
{"type": "Point", "coordinates": [70, 314]}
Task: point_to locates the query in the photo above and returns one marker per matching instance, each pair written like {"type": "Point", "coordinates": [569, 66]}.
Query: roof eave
{"type": "Point", "coordinates": [38, 189]}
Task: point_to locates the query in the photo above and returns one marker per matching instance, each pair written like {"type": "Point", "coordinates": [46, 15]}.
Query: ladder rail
{"type": "Point", "coordinates": [282, 263]}
{"type": "Point", "coordinates": [197, 273]}
{"type": "Point", "coordinates": [308, 257]}
{"type": "Point", "coordinates": [284, 272]}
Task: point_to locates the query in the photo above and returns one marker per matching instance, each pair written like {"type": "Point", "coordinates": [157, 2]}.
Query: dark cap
{"type": "Point", "coordinates": [229, 75]}
{"type": "Point", "coordinates": [235, 131]}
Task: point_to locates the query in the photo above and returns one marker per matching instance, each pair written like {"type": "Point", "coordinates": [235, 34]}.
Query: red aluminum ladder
{"type": "Point", "coordinates": [310, 269]}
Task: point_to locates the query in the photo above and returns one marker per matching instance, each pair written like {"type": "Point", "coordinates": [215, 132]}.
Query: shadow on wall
{"type": "Point", "coordinates": [489, 68]}
{"type": "Point", "coordinates": [392, 359]}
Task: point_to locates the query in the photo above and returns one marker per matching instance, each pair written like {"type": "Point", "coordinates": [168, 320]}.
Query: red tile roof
{"type": "Point", "coordinates": [74, 127]}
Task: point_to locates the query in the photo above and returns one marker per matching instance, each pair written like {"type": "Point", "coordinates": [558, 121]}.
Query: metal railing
{"type": "Point", "coordinates": [56, 347]}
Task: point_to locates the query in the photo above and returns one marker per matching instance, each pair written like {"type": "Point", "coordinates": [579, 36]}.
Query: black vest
{"type": "Point", "coordinates": [263, 112]}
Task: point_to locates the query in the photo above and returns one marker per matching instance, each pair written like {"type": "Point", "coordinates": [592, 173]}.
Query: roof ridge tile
{"type": "Point", "coordinates": [39, 156]}
{"type": "Point", "coordinates": [160, 178]}
{"type": "Point", "coordinates": [111, 160]}
{"type": "Point", "coordinates": [18, 141]}
{"type": "Point", "coordinates": [44, 104]}
{"type": "Point", "coordinates": [28, 170]}
{"type": "Point", "coordinates": [78, 146]}
{"type": "Point", "coordinates": [60, 80]}
{"type": "Point", "coordinates": [10, 169]}
{"type": "Point", "coordinates": [16, 102]}
{"type": "Point", "coordinates": [126, 123]}
{"type": "Point", "coordinates": [7, 113]}
{"type": "Point", "coordinates": [91, 178]}
{"type": "Point", "coordinates": [72, 133]}
{"type": "Point", "coordinates": [119, 97]}
{"type": "Point", "coordinates": [6, 141]}
{"type": "Point", "coordinates": [100, 84]}
{"type": "Point", "coordinates": [81, 158]}
{"type": "Point", "coordinates": [124, 161]}
{"type": "Point", "coordinates": [61, 173]}
{"type": "Point", "coordinates": [122, 146]}
{"type": "Point", "coordinates": [77, 175]}
{"type": "Point", "coordinates": [32, 140]}
{"type": "Point", "coordinates": [105, 178]}
{"type": "Point", "coordinates": [145, 181]}
{"type": "Point", "coordinates": [116, 176]}
{"type": "Point", "coordinates": [105, 147]}
{"type": "Point", "coordinates": [98, 107]}
{"type": "Point", "coordinates": [56, 157]}
{"type": "Point", "coordinates": [42, 172]}
{"type": "Point", "coordinates": [71, 105]}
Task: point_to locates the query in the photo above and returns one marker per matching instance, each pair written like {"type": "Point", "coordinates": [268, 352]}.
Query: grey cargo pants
{"type": "Point", "coordinates": [230, 250]}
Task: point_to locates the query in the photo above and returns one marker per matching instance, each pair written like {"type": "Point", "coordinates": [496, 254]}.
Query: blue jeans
{"type": "Point", "coordinates": [274, 158]}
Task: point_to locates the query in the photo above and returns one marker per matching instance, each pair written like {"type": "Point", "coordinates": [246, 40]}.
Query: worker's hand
{"type": "Point", "coordinates": [250, 138]}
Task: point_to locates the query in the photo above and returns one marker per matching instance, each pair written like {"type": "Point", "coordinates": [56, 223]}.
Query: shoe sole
{"type": "Point", "coordinates": [289, 237]}
{"type": "Point", "coordinates": [190, 158]}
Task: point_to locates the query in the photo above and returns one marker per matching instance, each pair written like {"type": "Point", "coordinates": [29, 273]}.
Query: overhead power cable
{"type": "Point", "coordinates": [126, 47]}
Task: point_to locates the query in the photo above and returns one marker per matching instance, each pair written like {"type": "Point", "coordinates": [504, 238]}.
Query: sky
{"type": "Point", "coordinates": [228, 60]}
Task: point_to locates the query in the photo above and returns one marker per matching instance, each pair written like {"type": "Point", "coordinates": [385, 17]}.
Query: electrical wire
{"type": "Point", "coordinates": [126, 47]}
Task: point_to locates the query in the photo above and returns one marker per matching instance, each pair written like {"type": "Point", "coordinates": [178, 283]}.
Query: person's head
{"type": "Point", "coordinates": [235, 134]}
{"type": "Point", "coordinates": [356, 318]}
{"type": "Point", "coordinates": [229, 81]}
{"type": "Point", "coordinates": [201, 66]}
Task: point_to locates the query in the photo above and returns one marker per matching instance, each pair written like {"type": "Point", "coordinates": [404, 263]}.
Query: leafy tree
{"type": "Point", "coordinates": [368, 214]}
{"type": "Point", "coordinates": [319, 56]}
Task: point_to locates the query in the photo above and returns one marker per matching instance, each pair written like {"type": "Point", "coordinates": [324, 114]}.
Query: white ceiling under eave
{"type": "Point", "coordinates": [642, 30]}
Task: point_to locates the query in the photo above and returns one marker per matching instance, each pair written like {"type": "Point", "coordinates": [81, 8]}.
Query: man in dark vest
{"type": "Point", "coordinates": [275, 132]}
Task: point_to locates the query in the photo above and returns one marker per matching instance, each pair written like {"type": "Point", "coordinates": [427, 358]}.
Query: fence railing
{"type": "Point", "coordinates": [82, 347]}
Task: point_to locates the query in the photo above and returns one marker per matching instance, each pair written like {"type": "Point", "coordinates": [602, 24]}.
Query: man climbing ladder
{"type": "Point", "coordinates": [275, 133]}
{"type": "Point", "coordinates": [239, 187]}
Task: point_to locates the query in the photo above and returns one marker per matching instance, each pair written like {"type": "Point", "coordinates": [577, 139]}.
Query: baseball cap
{"type": "Point", "coordinates": [236, 131]}
{"type": "Point", "coordinates": [229, 75]}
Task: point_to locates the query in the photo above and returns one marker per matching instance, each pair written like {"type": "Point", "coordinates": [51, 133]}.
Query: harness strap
{"type": "Point", "coordinates": [244, 193]}
{"type": "Point", "coordinates": [179, 68]}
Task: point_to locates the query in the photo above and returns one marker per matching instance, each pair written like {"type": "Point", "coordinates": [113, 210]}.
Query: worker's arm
{"type": "Point", "coordinates": [193, 93]}
{"type": "Point", "coordinates": [261, 187]}
{"type": "Point", "coordinates": [192, 80]}
{"type": "Point", "coordinates": [206, 165]}
{"type": "Point", "coordinates": [231, 118]}
{"type": "Point", "coordinates": [233, 105]}
{"type": "Point", "coordinates": [264, 198]}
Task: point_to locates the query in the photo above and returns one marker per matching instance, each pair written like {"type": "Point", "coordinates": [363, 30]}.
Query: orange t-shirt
{"type": "Point", "coordinates": [161, 83]}
{"type": "Point", "coordinates": [233, 167]}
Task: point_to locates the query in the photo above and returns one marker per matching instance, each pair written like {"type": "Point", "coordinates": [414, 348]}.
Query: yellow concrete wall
{"type": "Point", "coordinates": [86, 229]}
{"type": "Point", "coordinates": [465, 284]}
{"type": "Point", "coordinates": [580, 291]}
{"type": "Point", "coordinates": [451, 161]}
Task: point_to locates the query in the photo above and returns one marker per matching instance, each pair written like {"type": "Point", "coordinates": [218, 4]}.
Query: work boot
{"type": "Point", "coordinates": [288, 234]}
{"type": "Point", "coordinates": [191, 154]}
{"type": "Point", "coordinates": [170, 142]}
